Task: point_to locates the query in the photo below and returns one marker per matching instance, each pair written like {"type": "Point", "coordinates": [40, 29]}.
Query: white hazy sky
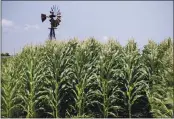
{"type": "Point", "coordinates": [143, 20]}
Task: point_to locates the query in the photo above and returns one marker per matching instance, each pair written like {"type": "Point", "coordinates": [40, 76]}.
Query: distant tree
{"type": "Point", "coordinates": [5, 54]}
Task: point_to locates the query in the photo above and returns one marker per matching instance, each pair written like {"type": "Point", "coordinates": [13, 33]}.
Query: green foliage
{"type": "Point", "coordinates": [5, 54]}
{"type": "Point", "coordinates": [158, 59]}
{"type": "Point", "coordinates": [88, 79]}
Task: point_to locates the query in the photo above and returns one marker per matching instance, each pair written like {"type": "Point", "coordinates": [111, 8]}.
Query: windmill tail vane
{"type": "Point", "coordinates": [55, 19]}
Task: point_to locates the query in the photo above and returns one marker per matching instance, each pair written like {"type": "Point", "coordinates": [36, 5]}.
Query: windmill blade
{"type": "Point", "coordinates": [59, 13]}
{"type": "Point", "coordinates": [57, 9]}
{"type": "Point", "coordinates": [54, 9]}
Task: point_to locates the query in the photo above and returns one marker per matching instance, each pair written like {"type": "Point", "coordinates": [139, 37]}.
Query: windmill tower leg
{"type": "Point", "coordinates": [51, 33]}
{"type": "Point", "coordinates": [54, 34]}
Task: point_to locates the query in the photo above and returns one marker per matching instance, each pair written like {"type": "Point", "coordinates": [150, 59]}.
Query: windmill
{"type": "Point", "coordinates": [55, 19]}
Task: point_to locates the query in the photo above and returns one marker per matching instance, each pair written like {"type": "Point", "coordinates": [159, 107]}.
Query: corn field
{"type": "Point", "coordinates": [89, 79]}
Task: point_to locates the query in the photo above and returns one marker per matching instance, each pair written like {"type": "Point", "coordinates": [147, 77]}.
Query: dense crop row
{"type": "Point", "coordinates": [89, 79]}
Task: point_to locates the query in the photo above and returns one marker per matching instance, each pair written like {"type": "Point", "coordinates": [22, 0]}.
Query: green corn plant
{"type": "Point", "coordinates": [84, 69]}
{"type": "Point", "coordinates": [150, 56]}
{"type": "Point", "coordinates": [32, 76]}
{"type": "Point", "coordinates": [165, 53]}
{"type": "Point", "coordinates": [133, 77]}
{"type": "Point", "coordinates": [106, 81]}
{"type": "Point", "coordinates": [10, 86]}
{"type": "Point", "coordinates": [52, 61]}
{"type": "Point", "coordinates": [107, 93]}
{"type": "Point", "coordinates": [58, 63]}
{"type": "Point", "coordinates": [168, 103]}
{"type": "Point", "coordinates": [158, 70]}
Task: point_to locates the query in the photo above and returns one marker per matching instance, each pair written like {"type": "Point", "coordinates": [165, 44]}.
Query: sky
{"type": "Point", "coordinates": [121, 20]}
